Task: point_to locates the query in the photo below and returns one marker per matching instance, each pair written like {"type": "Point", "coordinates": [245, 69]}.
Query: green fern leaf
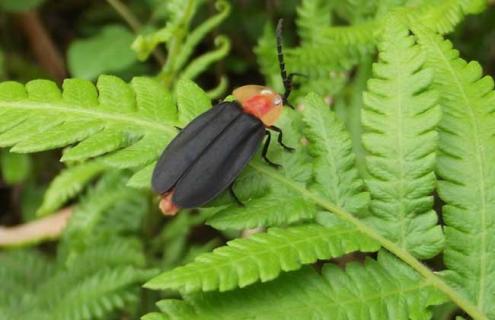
{"type": "Point", "coordinates": [322, 63]}
{"type": "Point", "coordinates": [262, 257]}
{"type": "Point", "coordinates": [466, 168]}
{"type": "Point", "coordinates": [400, 118]}
{"type": "Point", "coordinates": [276, 208]}
{"type": "Point", "coordinates": [334, 169]}
{"type": "Point", "coordinates": [142, 178]}
{"type": "Point", "coordinates": [191, 101]}
{"type": "Point", "coordinates": [93, 296]}
{"type": "Point", "coordinates": [20, 272]}
{"type": "Point", "coordinates": [92, 285]}
{"type": "Point", "coordinates": [195, 36]}
{"type": "Point", "coordinates": [109, 198]}
{"type": "Point", "coordinates": [311, 15]}
{"type": "Point", "coordinates": [179, 14]}
{"type": "Point", "coordinates": [360, 34]}
{"type": "Point", "coordinates": [132, 122]}
{"type": "Point", "coordinates": [382, 289]}
{"type": "Point", "coordinates": [202, 62]}
{"type": "Point", "coordinates": [67, 184]}
{"type": "Point", "coordinates": [441, 16]}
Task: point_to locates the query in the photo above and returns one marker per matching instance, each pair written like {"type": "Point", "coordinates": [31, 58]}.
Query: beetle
{"type": "Point", "coordinates": [206, 156]}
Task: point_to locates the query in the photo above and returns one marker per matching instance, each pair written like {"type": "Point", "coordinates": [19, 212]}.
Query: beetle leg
{"type": "Point", "coordinates": [279, 139]}
{"type": "Point", "coordinates": [234, 196]}
{"type": "Point", "coordinates": [265, 150]}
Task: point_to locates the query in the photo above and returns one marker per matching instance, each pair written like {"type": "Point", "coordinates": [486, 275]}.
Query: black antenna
{"type": "Point", "coordinates": [287, 80]}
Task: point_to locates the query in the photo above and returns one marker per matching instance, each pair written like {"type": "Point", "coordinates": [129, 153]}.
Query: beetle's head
{"type": "Point", "coordinates": [261, 102]}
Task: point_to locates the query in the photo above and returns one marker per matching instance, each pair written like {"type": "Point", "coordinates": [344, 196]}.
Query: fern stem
{"type": "Point", "coordinates": [175, 46]}
{"type": "Point", "coordinates": [404, 255]}
{"type": "Point", "coordinates": [128, 119]}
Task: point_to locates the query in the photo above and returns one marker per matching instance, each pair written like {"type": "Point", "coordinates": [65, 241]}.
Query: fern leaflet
{"type": "Point", "coordinates": [400, 118]}
{"type": "Point", "coordinates": [382, 289]}
{"type": "Point", "coordinates": [466, 168]}
{"type": "Point", "coordinates": [126, 125]}
{"type": "Point", "coordinates": [67, 184]}
{"type": "Point", "coordinates": [334, 168]}
{"type": "Point", "coordinates": [262, 257]}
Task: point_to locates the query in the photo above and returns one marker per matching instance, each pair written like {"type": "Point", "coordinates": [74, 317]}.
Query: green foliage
{"type": "Point", "coordinates": [382, 289]}
{"type": "Point", "coordinates": [374, 145]}
{"type": "Point", "coordinates": [93, 286]}
{"type": "Point", "coordinates": [465, 167]}
{"type": "Point", "coordinates": [127, 119]}
{"type": "Point", "coordinates": [107, 51]}
{"type": "Point", "coordinates": [181, 41]}
{"type": "Point", "coordinates": [334, 169]}
{"type": "Point", "coordinates": [70, 182]}
{"type": "Point", "coordinates": [400, 118]}
{"type": "Point", "coordinates": [262, 257]}
{"type": "Point", "coordinates": [98, 269]}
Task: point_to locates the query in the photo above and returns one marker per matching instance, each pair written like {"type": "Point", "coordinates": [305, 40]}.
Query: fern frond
{"type": "Point", "coordinates": [179, 14]}
{"type": "Point", "coordinates": [87, 218]}
{"type": "Point", "coordinates": [93, 296]}
{"type": "Point", "coordinates": [400, 118]}
{"type": "Point", "coordinates": [262, 257]}
{"type": "Point", "coordinates": [67, 184]}
{"type": "Point", "coordinates": [334, 169]}
{"type": "Point", "coordinates": [132, 122]}
{"type": "Point", "coordinates": [113, 251]}
{"type": "Point", "coordinates": [142, 178]}
{"type": "Point", "coordinates": [311, 15]}
{"type": "Point", "coordinates": [466, 168]}
{"type": "Point", "coordinates": [191, 101]}
{"type": "Point", "coordinates": [359, 34]}
{"type": "Point", "coordinates": [324, 63]}
{"type": "Point", "coordinates": [440, 15]}
{"type": "Point", "coordinates": [99, 281]}
{"type": "Point", "coordinates": [382, 289]}
{"type": "Point", "coordinates": [199, 33]}
{"type": "Point", "coordinates": [202, 62]}
{"type": "Point", "coordinates": [276, 208]}
{"type": "Point", "coordinates": [21, 271]}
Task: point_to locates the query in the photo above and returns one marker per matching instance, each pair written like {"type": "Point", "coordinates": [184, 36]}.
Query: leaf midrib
{"type": "Point", "coordinates": [94, 113]}
{"type": "Point", "coordinates": [265, 250]}
{"type": "Point", "coordinates": [480, 164]}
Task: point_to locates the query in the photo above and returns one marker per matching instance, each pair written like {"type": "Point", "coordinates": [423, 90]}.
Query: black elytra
{"type": "Point", "coordinates": [209, 153]}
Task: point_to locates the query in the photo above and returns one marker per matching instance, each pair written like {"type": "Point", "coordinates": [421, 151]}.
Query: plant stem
{"type": "Point", "coordinates": [49, 227]}
{"type": "Point", "coordinates": [42, 45]}
{"type": "Point", "coordinates": [404, 255]}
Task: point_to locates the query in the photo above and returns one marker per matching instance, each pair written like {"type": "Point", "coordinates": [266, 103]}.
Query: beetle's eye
{"type": "Point", "coordinates": [277, 101]}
